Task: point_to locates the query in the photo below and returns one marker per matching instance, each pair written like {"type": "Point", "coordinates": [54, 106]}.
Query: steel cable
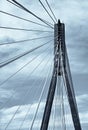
{"type": "Point", "coordinates": [2, 64]}
{"type": "Point", "coordinates": [42, 92]}
{"type": "Point", "coordinates": [33, 97]}
{"type": "Point", "coordinates": [23, 19]}
{"type": "Point", "coordinates": [25, 9]}
{"type": "Point", "coordinates": [15, 74]}
{"type": "Point", "coordinates": [46, 11]}
{"type": "Point", "coordinates": [51, 10]}
{"type": "Point", "coordinates": [22, 29]}
{"type": "Point", "coordinates": [25, 40]}
{"type": "Point", "coordinates": [22, 100]}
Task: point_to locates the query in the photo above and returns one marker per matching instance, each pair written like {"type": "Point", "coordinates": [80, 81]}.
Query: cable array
{"type": "Point", "coordinates": [45, 54]}
{"type": "Point", "coordinates": [51, 10]}
{"type": "Point", "coordinates": [23, 19]}
{"type": "Point", "coordinates": [36, 93]}
{"type": "Point", "coordinates": [36, 89]}
{"type": "Point", "coordinates": [22, 29]}
{"type": "Point", "coordinates": [4, 63]}
{"type": "Point", "coordinates": [28, 11]}
{"type": "Point", "coordinates": [46, 11]}
{"type": "Point", "coordinates": [25, 40]}
{"type": "Point", "coordinates": [26, 93]}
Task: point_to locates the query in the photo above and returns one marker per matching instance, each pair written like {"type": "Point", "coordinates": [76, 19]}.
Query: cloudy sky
{"type": "Point", "coordinates": [21, 93]}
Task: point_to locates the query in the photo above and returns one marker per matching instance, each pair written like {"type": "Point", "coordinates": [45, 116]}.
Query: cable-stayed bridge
{"type": "Point", "coordinates": [39, 84]}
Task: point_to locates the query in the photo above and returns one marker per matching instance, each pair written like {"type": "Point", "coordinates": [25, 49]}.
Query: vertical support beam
{"type": "Point", "coordinates": [52, 88]}
{"type": "Point", "coordinates": [49, 102]}
{"type": "Point", "coordinates": [68, 81]}
{"type": "Point", "coordinates": [60, 47]}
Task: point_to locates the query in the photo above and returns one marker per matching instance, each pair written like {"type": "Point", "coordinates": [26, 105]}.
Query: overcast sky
{"type": "Point", "coordinates": [74, 13]}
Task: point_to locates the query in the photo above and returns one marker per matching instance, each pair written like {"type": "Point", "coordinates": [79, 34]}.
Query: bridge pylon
{"type": "Point", "coordinates": [61, 68]}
